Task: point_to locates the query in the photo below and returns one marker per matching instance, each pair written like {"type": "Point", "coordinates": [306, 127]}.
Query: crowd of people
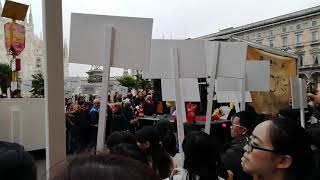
{"type": "Point", "coordinates": [259, 149]}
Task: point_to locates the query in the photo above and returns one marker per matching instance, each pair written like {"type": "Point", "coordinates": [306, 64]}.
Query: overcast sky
{"type": "Point", "coordinates": [176, 19]}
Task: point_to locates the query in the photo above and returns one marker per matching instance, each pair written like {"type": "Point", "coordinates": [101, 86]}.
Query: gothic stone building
{"type": "Point", "coordinates": [297, 33]}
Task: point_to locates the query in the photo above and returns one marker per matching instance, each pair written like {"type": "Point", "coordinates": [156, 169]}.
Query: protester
{"type": "Point", "coordinates": [242, 126]}
{"type": "Point", "coordinates": [149, 141]}
{"type": "Point", "coordinates": [149, 106]}
{"type": "Point", "coordinates": [278, 149]}
{"type": "Point", "coordinates": [119, 137]}
{"type": "Point", "coordinates": [102, 167]}
{"type": "Point", "coordinates": [131, 151]}
{"type": "Point", "coordinates": [119, 121]}
{"type": "Point", "coordinates": [16, 163]}
{"type": "Point", "coordinates": [314, 131]}
{"type": "Point", "coordinates": [202, 159]}
{"type": "Point", "coordinates": [167, 137]}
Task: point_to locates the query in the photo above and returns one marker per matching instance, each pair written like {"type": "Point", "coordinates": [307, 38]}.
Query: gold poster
{"type": "Point", "coordinates": [282, 68]}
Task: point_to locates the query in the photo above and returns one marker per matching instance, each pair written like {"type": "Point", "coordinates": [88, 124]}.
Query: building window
{"type": "Point", "coordinates": [300, 57]}
{"type": "Point", "coordinates": [271, 43]}
{"type": "Point", "coordinates": [315, 36]}
{"type": "Point", "coordinates": [247, 37]}
{"type": "Point", "coordinates": [298, 26]}
{"type": "Point", "coordinates": [314, 23]}
{"type": "Point", "coordinates": [271, 33]}
{"type": "Point", "coordinates": [316, 59]}
{"type": "Point", "coordinates": [298, 37]}
{"type": "Point", "coordinates": [259, 34]}
{"type": "Point", "coordinates": [285, 41]}
{"type": "Point", "coordinates": [284, 29]}
{"type": "Point", "coordinates": [38, 66]}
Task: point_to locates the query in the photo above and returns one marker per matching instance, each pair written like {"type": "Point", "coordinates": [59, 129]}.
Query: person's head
{"type": "Point", "coordinates": [201, 156]}
{"type": "Point", "coordinates": [189, 127]}
{"type": "Point", "coordinates": [140, 94]}
{"type": "Point", "coordinates": [148, 98]}
{"type": "Point", "coordinates": [116, 107]}
{"type": "Point", "coordinates": [147, 137]}
{"type": "Point", "coordinates": [168, 140]}
{"type": "Point", "coordinates": [76, 107]}
{"type": "Point", "coordinates": [86, 106]}
{"type": "Point", "coordinates": [149, 141]}
{"type": "Point", "coordinates": [16, 163]}
{"type": "Point", "coordinates": [278, 147]}
{"type": "Point", "coordinates": [314, 131]}
{"type": "Point", "coordinates": [119, 137]}
{"type": "Point", "coordinates": [96, 103]}
{"type": "Point", "coordinates": [102, 167]}
{"type": "Point", "coordinates": [129, 150]}
{"type": "Point", "coordinates": [242, 125]}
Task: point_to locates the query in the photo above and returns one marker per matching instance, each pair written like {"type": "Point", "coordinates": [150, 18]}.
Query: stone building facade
{"type": "Point", "coordinates": [32, 58]}
{"type": "Point", "coordinates": [297, 33]}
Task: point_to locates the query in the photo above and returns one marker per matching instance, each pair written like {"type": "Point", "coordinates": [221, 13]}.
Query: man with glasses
{"type": "Point", "coordinates": [241, 128]}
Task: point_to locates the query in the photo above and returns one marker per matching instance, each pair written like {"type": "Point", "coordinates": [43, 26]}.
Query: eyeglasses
{"type": "Point", "coordinates": [236, 125]}
{"type": "Point", "coordinates": [251, 147]}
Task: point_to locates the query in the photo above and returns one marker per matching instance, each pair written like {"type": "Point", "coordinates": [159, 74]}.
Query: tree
{"type": "Point", "coordinates": [5, 77]}
{"type": "Point", "coordinates": [127, 81]}
{"type": "Point", "coordinates": [142, 83]}
{"type": "Point", "coordinates": [37, 85]}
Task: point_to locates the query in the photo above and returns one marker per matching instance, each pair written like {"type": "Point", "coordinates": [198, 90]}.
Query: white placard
{"type": "Point", "coordinates": [258, 75]}
{"type": "Point", "coordinates": [120, 89]}
{"type": "Point", "coordinates": [192, 59]}
{"type": "Point", "coordinates": [257, 78]}
{"type": "Point", "coordinates": [131, 46]}
{"type": "Point", "coordinates": [228, 96]}
{"type": "Point", "coordinates": [231, 59]}
{"type": "Point", "coordinates": [189, 90]}
{"type": "Point", "coordinates": [295, 95]}
{"type": "Point", "coordinates": [88, 89]}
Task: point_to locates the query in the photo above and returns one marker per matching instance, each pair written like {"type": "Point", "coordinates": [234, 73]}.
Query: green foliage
{"type": "Point", "coordinates": [37, 85]}
{"type": "Point", "coordinates": [5, 77]}
{"type": "Point", "coordinates": [127, 81]}
{"type": "Point", "coordinates": [142, 83]}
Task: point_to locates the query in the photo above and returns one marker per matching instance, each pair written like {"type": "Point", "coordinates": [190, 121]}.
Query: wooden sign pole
{"type": "Point", "coordinates": [179, 107]}
{"type": "Point", "coordinates": [109, 36]}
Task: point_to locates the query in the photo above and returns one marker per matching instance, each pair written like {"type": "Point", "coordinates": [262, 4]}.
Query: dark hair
{"type": "Point", "coordinates": [246, 120]}
{"type": "Point", "coordinates": [16, 163]}
{"type": "Point", "coordinates": [119, 137]}
{"type": "Point", "coordinates": [188, 127]}
{"type": "Point", "coordinates": [201, 156]}
{"type": "Point", "coordinates": [102, 167]}
{"type": "Point", "coordinates": [167, 137]}
{"type": "Point", "coordinates": [289, 138]}
{"type": "Point", "coordinates": [130, 150]}
{"type": "Point", "coordinates": [314, 131]}
{"type": "Point", "coordinates": [161, 161]}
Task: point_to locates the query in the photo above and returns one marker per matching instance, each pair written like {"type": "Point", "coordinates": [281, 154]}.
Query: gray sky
{"type": "Point", "coordinates": [177, 19]}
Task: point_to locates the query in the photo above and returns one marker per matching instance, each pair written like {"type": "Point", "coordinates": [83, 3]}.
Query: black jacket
{"type": "Point", "coordinates": [119, 122]}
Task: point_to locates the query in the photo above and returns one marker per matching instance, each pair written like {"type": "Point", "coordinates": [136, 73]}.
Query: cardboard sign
{"type": "Point", "coordinates": [295, 92]}
{"type": "Point", "coordinates": [132, 40]}
{"type": "Point", "coordinates": [257, 78]}
{"type": "Point", "coordinates": [191, 55]}
{"type": "Point", "coordinates": [231, 96]}
{"type": "Point", "coordinates": [120, 89]}
{"type": "Point", "coordinates": [189, 90]}
{"type": "Point", "coordinates": [231, 60]}
{"type": "Point", "coordinates": [88, 89]}
{"type": "Point", "coordinates": [14, 37]}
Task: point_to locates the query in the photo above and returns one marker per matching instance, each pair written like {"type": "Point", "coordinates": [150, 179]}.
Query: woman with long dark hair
{"type": "Point", "coordinates": [149, 141]}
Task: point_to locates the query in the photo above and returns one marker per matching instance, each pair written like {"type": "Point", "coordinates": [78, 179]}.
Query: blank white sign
{"type": "Point", "coordinates": [189, 90]}
{"type": "Point", "coordinates": [295, 94]}
{"type": "Point", "coordinates": [191, 55]}
{"type": "Point", "coordinates": [257, 78]}
{"type": "Point", "coordinates": [228, 96]}
{"type": "Point", "coordinates": [132, 40]}
{"type": "Point", "coordinates": [231, 59]}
